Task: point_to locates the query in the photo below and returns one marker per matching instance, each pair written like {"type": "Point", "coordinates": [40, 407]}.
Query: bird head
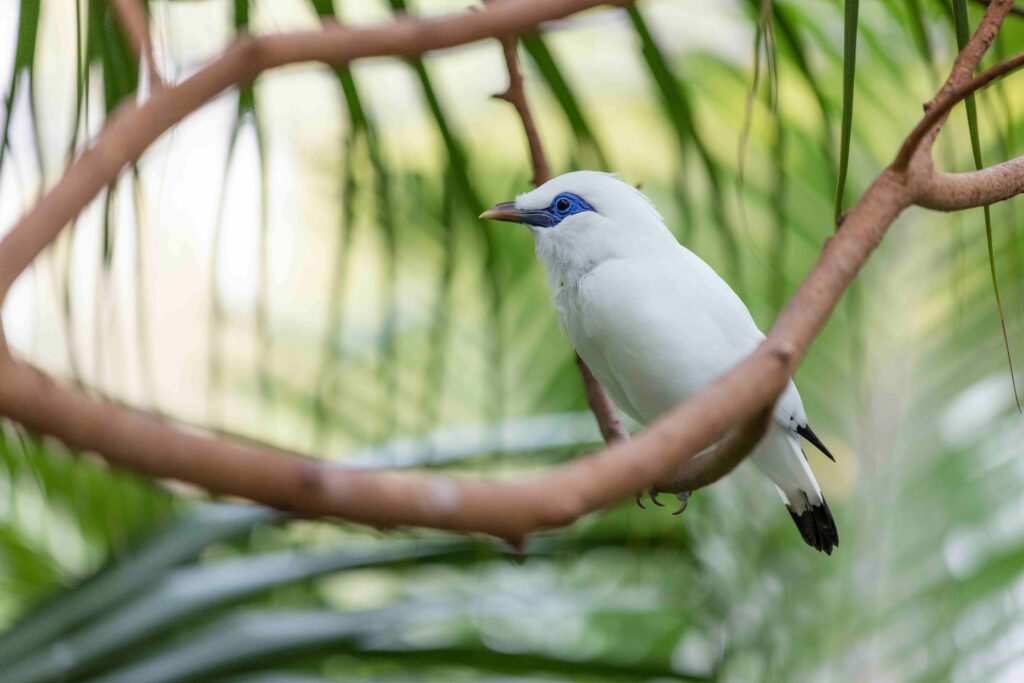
{"type": "Point", "coordinates": [583, 218]}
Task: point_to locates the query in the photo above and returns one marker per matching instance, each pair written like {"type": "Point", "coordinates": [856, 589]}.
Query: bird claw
{"type": "Point", "coordinates": [684, 499]}
{"type": "Point", "coordinates": [652, 494]}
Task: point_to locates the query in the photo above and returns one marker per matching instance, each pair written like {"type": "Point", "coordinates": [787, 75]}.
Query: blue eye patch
{"type": "Point", "coordinates": [562, 206]}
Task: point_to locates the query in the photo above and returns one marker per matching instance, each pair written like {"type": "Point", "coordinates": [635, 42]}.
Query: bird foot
{"type": "Point", "coordinates": [684, 499]}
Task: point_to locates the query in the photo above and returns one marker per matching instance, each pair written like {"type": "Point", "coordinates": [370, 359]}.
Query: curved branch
{"type": "Point", "coordinates": [147, 444]}
{"type": "Point", "coordinates": [133, 127]}
{"type": "Point", "coordinates": [939, 109]}
{"type": "Point", "coordinates": [957, 191]}
{"type": "Point", "coordinates": [719, 460]}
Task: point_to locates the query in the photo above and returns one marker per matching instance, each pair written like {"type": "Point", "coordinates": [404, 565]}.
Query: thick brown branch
{"type": "Point", "coordinates": [719, 460]}
{"type": "Point", "coordinates": [957, 191]}
{"type": "Point", "coordinates": [144, 443]}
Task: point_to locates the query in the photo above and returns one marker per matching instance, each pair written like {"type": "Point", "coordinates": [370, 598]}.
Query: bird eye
{"type": "Point", "coordinates": [562, 205]}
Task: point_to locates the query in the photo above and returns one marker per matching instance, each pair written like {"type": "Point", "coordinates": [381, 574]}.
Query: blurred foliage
{"type": "Point", "coordinates": [430, 342]}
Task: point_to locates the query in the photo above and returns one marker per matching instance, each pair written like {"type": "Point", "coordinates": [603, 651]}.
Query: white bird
{"type": "Point", "coordinates": [654, 322]}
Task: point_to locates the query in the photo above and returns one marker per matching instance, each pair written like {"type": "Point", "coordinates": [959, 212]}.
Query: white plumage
{"type": "Point", "coordinates": [654, 322]}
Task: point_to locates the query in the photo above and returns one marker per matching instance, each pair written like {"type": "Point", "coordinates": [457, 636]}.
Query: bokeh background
{"type": "Point", "coordinates": [301, 263]}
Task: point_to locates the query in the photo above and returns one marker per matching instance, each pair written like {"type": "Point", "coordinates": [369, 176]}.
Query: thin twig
{"type": "Point", "coordinates": [941, 106]}
{"type": "Point", "coordinates": [936, 111]}
{"type": "Point", "coordinates": [1014, 10]}
{"type": "Point", "coordinates": [515, 95]}
{"type": "Point", "coordinates": [135, 21]}
{"type": "Point", "coordinates": [605, 412]}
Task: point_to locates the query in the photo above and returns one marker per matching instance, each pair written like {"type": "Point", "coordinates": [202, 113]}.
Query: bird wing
{"type": "Point", "coordinates": [730, 313]}
{"type": "Point", "coordinates": [655, 332]}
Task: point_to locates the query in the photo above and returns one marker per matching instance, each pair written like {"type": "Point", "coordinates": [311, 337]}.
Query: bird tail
{"type": "Point", "coordinates": [816, 526]}
{"type": "Point", "coordinates": [781, 459]}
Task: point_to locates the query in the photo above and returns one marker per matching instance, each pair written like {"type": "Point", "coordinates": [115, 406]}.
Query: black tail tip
{"type": "Point", "coordinates": [817, 527]}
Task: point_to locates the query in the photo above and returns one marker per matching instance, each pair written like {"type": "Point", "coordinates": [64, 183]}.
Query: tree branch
{"type": "Point", "coordinates": [1015, 11]}
{"type": "Point", "coordinates": [149, 445]}
{"type": "Point", "coordinates": [132, 127]}
{"type": "Point", "coordinates": [605, 412]}
{"type": "Point", "coordinates": [958, 191]}
{"type": "Point", "coordinates": [708, 467]}
{"type": "Point", "coordinates": [515, 95]}
{"type": "Point", "coordinates": [959, 84]}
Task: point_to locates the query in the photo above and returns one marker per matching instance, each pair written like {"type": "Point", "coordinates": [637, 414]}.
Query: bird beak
{"type": "Point", "coordinates": [505, 211]}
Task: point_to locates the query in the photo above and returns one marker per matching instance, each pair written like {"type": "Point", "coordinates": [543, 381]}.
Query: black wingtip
{"type": "Point", "coordinates": [817, 527]}
{"type": "Point", "coordinates": [808, 433]}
